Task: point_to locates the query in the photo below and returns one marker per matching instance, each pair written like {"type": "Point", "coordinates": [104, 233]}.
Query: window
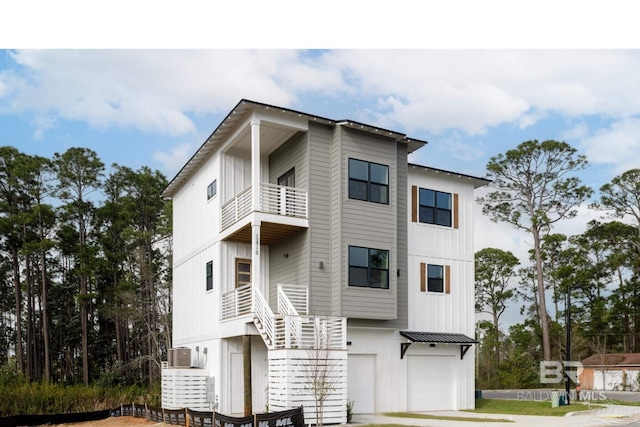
{"type": "Point", "coordinates": [212, 189]}
{"type": "Point", "coordinates": [368, 181]}
{"type": "Point", "coordinates": [288, 179]}
{"type": "Point", "coordinates": [209, 275]}
{"type": "Point", "coordinates": [368, 268]}
{"type": "Point", "coordinates": [435, 278]}
{"type": "Point", "coordinates": [435, 207]}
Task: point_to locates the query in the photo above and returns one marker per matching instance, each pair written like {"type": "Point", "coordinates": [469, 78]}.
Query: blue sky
{"type": "Point", "coordinates": [154, 107]}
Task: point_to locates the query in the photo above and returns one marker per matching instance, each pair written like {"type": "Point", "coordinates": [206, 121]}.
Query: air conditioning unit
{"type": "Point", "coordinates": [179, 357]}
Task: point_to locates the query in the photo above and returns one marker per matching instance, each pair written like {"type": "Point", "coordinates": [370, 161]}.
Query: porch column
{"type": "Point", "coordinates": [256, 280]}
{"type": "Point", "coordinates": [256, 175]}
{"type": "Point", "coordinates": [256, 172]}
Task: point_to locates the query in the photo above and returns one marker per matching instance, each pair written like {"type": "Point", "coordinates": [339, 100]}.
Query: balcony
{"type": "Point", "coordinates": [284, 211]}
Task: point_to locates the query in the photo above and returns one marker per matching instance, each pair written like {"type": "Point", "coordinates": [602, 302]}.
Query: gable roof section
{"type": "Point", "coordinates": [438, 337]}
{"type": "Point", "coordinates": [613, 359]}
{"type": "Point", "coordinates": [241, 111]}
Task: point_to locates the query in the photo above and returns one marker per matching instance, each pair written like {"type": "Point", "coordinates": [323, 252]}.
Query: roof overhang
{"type": "Point", "coordinates": [462, 340]}
{"type": "Point", "coordinates": [241, 112]}
{"type": "Point", "coordinates": [477, 181]}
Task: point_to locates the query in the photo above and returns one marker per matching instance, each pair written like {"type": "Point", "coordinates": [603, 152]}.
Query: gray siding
{"type": "Point", "coordinates": [294, 269]}
{"type": "Point", "coordinates": [320, 138]}
{"type": "Point", "coordinates": [371, 225]}
{"type": "Point", "coordinates": [337, 280]}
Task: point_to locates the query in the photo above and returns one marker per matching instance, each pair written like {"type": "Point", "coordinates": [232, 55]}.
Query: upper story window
{"type": "Point", "coordinates": [209, 270]}
{"type": "Point", "coordinates": [212, 189]}
{"type": "Point", "coordinates": [368, 181]}
{"type": "Point", "coordinates": [368, 268]}
{"type": "Point", "coordinates": [435, 278]}
{"type": "Point", "coordinates": [435, 207]}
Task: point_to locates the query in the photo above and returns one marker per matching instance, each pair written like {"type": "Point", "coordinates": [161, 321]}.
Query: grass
{"type": "Point", "coordinates": [525, 407]}
{"type": "Point", "coordinates": [443, 417]}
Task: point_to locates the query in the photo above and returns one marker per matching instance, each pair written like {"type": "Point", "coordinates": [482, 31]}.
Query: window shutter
{"type": "Point", "coordinates": [423, 277]}
{"type": "Point", "coordinates": [414, 203]}
{"type": "Point", "coordinates": [455, 210]}
{"type": "Point", "coordinates": [447, 279]}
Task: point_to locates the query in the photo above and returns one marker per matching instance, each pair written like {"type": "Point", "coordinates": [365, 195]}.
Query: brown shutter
{"type": "Point", "coordinates": [423, 277]}
{"type": "Point", "coordinates": [447, 279]}
{"type": "Point", "coordinates": [414, 203]}
{"type": "Point", "coordinates": [455, 210]}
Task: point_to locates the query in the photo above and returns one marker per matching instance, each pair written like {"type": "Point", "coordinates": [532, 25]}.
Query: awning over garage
{"type": "Point", "coordinates": [434, 338]}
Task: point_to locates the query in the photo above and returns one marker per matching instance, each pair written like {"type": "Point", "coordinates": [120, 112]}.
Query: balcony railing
{"type": "Point", "coordinates": [275, 199]}
{"type": "Point", "coordinates": [287, 329]}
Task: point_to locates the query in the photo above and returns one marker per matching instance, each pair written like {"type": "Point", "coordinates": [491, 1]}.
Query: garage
{"type": "Point", "coordinates": [361, 387]}
{"type": "Point", "coordinates": [431, 382]}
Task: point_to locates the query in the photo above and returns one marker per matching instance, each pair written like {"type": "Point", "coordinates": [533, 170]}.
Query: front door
{"type": "Point", "coordinates": [243, 272]}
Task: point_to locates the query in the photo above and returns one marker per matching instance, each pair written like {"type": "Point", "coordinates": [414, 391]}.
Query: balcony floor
{"type": "Point", "coordinates": [270, 233]}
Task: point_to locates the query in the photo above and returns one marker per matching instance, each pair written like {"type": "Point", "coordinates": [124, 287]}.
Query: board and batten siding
{"type": "Point", "coordinates": [370, 225]}
{"type": "Point", "coordinates": [196, 234]}
{"type": "Point", "coordinates": [451, 247]}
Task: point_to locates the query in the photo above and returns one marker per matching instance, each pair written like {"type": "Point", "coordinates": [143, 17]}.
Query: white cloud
{"type": "Point", "coordinates": [617, 146]}
{"type": "Point", "coordinates": [176, 157]}
{"type": "Point", "coordinates": [413, 90]}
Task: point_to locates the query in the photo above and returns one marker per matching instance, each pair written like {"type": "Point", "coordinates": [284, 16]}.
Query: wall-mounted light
{"type": "Point", "coordinates": [285, 255]}
{"type": "Point", "coordinates": [321, 265]}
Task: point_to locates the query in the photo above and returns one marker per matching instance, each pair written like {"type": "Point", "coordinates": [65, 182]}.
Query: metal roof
{"type": "Point", "coordinates": [438, 337]}
{"type": "Point", "coordinates": [241, 111]}
{"type": "Point", "coordinates": [477, 181]}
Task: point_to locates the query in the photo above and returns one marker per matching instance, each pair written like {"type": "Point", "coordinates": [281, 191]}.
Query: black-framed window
{"type": "Point", "coordinates": [209, 275]}
{"type": "Point", "coordinates": [435, 278]}
{"type": "Point", "coordinates": [435, 207]}
{"type": "Point", "coordinates": [368, 267]}
{"type": "Point", "coordinates": [368, 181]}
{"type": "Point", "coordinates": [212, 189]}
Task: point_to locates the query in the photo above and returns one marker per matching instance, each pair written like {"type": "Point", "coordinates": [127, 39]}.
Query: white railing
{"type": "Point", "coordinates": [264, 318]}
{"type": "Point", "coordinates": [275, 199]}
{"type": "Point", "coordinates": [288, 329]}
{"type": "Point", "coordinates": [236, 302]}
{"type": "Point", "coordinates": [281, 200]}
{"type": "Point", "coordinates": [296, 296]}
{"type": "Point", "coordinates": [237, 208]}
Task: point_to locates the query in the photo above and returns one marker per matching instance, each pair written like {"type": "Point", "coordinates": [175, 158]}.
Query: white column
{"type": "Point", "coordinates": [256, 269]}
{"type": "Point", "coordinates": [256, 171]}
{"type": "Point", "coordinates": [256, 174]}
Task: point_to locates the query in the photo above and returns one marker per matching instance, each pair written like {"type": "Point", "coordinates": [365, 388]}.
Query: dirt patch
{"type": "Point", "coordinates": [115, 422]}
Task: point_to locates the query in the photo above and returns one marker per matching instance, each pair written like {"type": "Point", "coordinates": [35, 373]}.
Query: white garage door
{"type": "Point", "coordinates": [361, 388]}
{"type": "Point", "coordinates": [431, 382]}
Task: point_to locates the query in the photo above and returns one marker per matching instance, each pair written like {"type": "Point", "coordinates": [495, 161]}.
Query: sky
{"type": "Point", "coordinates": [145, 85]}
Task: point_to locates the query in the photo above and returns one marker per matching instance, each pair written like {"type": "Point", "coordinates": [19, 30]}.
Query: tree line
{"type": "Point", "coordinates": [85, 256]}
{"type": "Point", "coordinates": [589, 281]}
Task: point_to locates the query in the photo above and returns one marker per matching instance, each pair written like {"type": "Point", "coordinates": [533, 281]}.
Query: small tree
{"type": "Point", "coordinates": [319, 370]}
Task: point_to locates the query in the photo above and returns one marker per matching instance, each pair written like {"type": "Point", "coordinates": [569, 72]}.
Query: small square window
{"type": "Point", "coordinates": [368, 181]}
{"type": "Point", "coordinates": [435, 207]}
{"type": "Point", "coordinates": [368, 268]}
{"type": "Point", "coordinates": [212, 189]}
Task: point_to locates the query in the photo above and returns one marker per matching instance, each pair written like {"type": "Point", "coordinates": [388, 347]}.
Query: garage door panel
{"type": "Point", "coordinates": [431, 382]}
{"type": "Point", "coordinates": [361, 382]}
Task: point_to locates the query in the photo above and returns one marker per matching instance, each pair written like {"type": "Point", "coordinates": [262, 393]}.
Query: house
{"type": "Point", "coordinates": [299, 238]}
{"type": "Point", "coordinates": [608, 372]}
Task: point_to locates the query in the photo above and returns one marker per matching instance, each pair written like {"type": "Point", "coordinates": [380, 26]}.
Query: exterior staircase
{"type": "Point", "coordinates": [305, 352]}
